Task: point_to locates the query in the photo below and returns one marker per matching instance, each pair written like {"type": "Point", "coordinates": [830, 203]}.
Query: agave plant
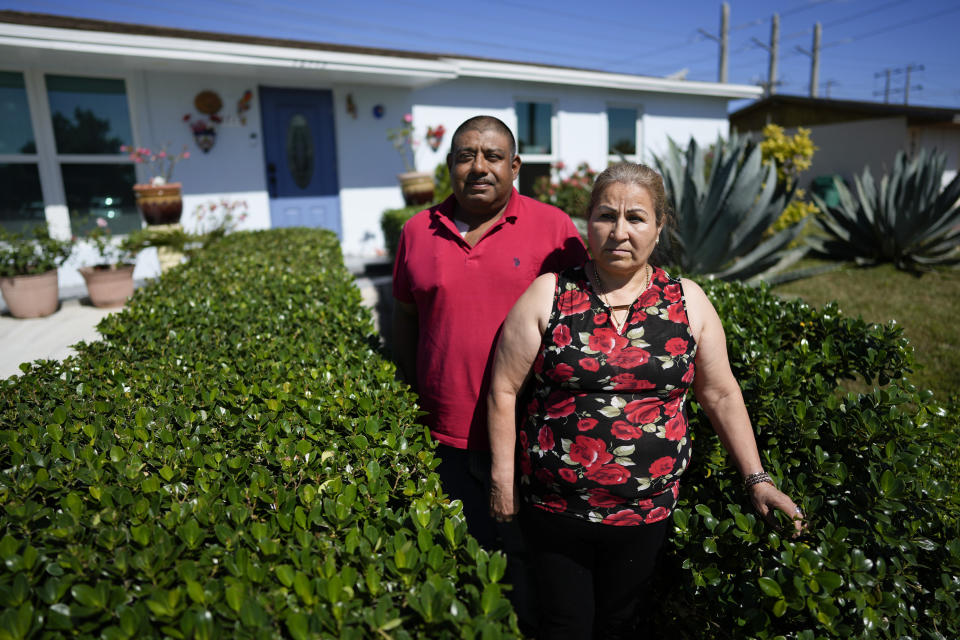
{"type": "Point", "coordinates": [724, 199]}
{"type": "Point", "coordinates": [908, 220]}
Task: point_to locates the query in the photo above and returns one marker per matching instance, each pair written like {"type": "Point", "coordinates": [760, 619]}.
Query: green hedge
{"type": "Point", "coordinates": [233, 460]}
{"type": "Point", "coordinates": [875, 472]}
{"type": "Point", "coordinates": [391, 223]}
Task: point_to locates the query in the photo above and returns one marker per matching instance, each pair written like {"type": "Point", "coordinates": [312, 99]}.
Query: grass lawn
{"type": "Point", "coordinates": [926, 306]}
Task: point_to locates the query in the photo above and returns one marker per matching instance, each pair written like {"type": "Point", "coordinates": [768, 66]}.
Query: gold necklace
{"type": "Point", "coordinates": [602, 294]}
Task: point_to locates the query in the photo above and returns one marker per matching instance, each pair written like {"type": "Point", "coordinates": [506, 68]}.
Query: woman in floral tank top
{"type": "Point", "coordinates": [610, 349]}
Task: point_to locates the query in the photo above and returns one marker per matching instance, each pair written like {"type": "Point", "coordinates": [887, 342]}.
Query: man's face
{"type": "Point", "coordinates": [482, 171]}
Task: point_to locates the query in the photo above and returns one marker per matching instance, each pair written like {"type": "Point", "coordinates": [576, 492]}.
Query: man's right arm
{"type": "Point", "coordinates": [406, 332]}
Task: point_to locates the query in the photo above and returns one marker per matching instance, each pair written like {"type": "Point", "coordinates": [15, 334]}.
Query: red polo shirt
{"type": "Point", "coordinates": [463, 294]}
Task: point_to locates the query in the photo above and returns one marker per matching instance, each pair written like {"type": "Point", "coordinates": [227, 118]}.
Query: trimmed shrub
{"type": "Point", "coordinates": [233, 460]}
{"type": "Point", "coordinates": [391, 223]}
{"type": "Point", "coordinates": [875, 473]}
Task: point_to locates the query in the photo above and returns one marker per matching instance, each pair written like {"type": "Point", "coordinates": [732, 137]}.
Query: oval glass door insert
{"type": "Point", "coordinates": [300, 150]}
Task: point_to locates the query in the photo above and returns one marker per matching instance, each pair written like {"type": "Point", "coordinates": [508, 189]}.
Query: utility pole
{"type": "Point", "coordinates": [906, 85]}
{"type": "Point", "coordinates": [887, 89]}
{"type": "Point", "coordinates": [814, 54]}
{"type": "Point", "coordinates": [886, 84]}
{"type": "Point", "coordinates": [772, 83]}
{"type": "Point", "coordinates": [722, 39]}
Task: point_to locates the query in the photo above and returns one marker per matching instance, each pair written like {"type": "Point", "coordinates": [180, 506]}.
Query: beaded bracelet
{"type": "Point", "coordinates": [757, 478]}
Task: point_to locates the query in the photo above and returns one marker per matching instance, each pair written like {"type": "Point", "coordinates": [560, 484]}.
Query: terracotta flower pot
{"type": "Point", "coordinates": [159, 204]}
{"type": "Point", "coordinates": [108, 286]}
{"type": "Point", "coordinates": [417, 187]}
{"type": "Point", "coordinates": [31, 296]}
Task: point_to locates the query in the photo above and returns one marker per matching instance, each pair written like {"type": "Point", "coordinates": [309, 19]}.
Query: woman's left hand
{"type": "Point", "coordinates": [767, 497]}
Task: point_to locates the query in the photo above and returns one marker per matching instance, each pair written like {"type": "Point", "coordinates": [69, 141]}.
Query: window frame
{"type": "Point", "coordinates": [640, 153]}
{"type": "Point", "coordinates": [47, 158]}
{"type": "Point", "coordinates": [539, 158]}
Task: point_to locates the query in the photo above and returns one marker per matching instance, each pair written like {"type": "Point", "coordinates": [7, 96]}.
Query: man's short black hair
{"type": "Point", "coordinates": [483, 123]}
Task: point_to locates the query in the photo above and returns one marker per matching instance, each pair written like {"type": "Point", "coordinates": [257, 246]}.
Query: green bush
{"type": "Point", "coordinates": [392, 221]}
{"type": "Point", "coordinates": [233, 460]}
{"type": "Point", "coordinates": [875, 473]}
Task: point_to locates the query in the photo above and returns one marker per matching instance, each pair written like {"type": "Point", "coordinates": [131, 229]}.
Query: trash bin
{"type": "Point", "coordinates": [826, 189]}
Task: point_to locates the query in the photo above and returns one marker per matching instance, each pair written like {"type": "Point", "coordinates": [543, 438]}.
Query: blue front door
{"type": "Point", "coordinates": [301, 158]}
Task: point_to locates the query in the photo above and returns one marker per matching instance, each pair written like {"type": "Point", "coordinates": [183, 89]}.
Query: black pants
{"type": "Point", "coordinates": [465, 476]}
{"type": "Point", "coordinates": [591, 578]}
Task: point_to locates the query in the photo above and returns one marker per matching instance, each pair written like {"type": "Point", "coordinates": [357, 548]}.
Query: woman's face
{"type": "Point", "coordinates": [622, 229]}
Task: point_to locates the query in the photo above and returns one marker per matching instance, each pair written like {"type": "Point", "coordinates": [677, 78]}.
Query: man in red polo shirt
{"type": "Point", "coordinates": [460, 267]}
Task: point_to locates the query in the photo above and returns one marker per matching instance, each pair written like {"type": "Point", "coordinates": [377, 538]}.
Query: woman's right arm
{"type": "Point", "coordinates": [516, 351]}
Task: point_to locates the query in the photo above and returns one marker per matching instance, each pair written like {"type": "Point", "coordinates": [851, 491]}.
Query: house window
{"type": "Point", "coordinates": [535, 133]}
{"type": "Point", "coordinates": [621, 134]}
{"type": "Point", "coordinates": [21, 207]}
{"type": "Point", "coordinates": [535, 128]}
{"type": "Point", "coordinates": [91, 120]}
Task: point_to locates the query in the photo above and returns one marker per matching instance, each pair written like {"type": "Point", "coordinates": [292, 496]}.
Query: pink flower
{"type": "Point", "coordinates": [102, 223]}
{"type": "Point", "coordinates": [408, 118]}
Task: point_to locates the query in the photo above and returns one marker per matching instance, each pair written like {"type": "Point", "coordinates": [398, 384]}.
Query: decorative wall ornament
{"type": "Point", "coordinates": [351, 106]}
{"type": "Point", "coordinates": [435, 136]}
{"type": "Point", "coordinates": [205, 129]}
{"type": "Point", "coordinates": [243, 105]}
{"type": "Point", "coordinates": [378, 111]}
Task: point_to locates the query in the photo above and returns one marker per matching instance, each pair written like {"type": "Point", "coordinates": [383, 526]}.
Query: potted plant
{"type": "Point", "coordinates": [28, 271]}
{"type": "Point", "coordinates": [417, 186]}
{"type": "Point", "coordinates": [160, 201]}
{"type": "Point", "coordinates": [110, 279]}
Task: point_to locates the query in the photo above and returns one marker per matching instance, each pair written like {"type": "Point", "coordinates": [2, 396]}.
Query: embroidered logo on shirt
{"type": "Point", "coordinates": [516, 262]}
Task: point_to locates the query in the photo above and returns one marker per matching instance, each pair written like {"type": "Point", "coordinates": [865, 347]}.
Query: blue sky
{"type": "Point", "coordinates": [861, 38]}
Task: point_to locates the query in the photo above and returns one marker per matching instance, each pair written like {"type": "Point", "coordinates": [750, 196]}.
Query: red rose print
{"type": "Point", "coordinates": [589, 452]}
{"type": "Point", "coordinates": [662, 466]}
{"type": "Point", "coordinates": [590, 364]}
{"type": "Point", "coordinates": [650, 297]}
{"type": "Point", "coordinates": [544, 476]}
{"type": "Point", "coordinates": [672, 292]}
{"type": "Point", "coordinates": [676, 312]}
{"type": "Point", "coordinates": [586, 424]}
{"type": "Point", "coordinates": [676, 346]}
{"type": "Point", "coordinates": [658, 514]}
{"type": "Point", "coordinates": [645, 504]}
{"type": "Point", "coordinates": [568, 474]}
{"type": "Point", "coordinates": [524, 441]}
{"type": "Point", "coordinates": [561, 335]}
{"type": "Point", "coordinates": [638, 316]}
{"type": "Point", "coordinates": [545, 438]}
{"type": "Point", "coordinates": [554, 503]}
{"type": "Point", "coordinates": [629, 381]}
{"type": "Point", "coordinates": [600, 318]}
{"type": "Point", "coordinates": [676, 428]}
{"type": "Point", "coordinates": [625, 431]}
{"type": "Point", "coordinates": [601, 497]}
{"type": "Point", "coordinates": [573, 302]}
{"type": "Point", "coordinates": [559, 404]}
{"type": "Point", "coordinates": [688, 376]}
{"type": "Point", "coordinates": [625, 518]}
{"type": "Point", "coordinates": [629, 357]}
{"type": "Point", "coordinates": [525, 467]}
{"type": "Point", "coordinates": [606, 340]}
{"type": "Point", "coordinates": [642, 412]}
{"type": "Point", "coordinates": [533, 407]}
{"type": "Point", "coordinates": [671, 407]}
{"type": "Point", "coordinates": [608, 474]}
{"type": "Point", "coordinates": [561, 373]}
{"type": "Point", "coordinates": [538, 363]}
{"type": "Point", "coordinates": [675, 489]}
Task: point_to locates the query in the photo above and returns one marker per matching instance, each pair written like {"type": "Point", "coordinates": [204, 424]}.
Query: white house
{"type": "Point", "coordinates": [302, 136]}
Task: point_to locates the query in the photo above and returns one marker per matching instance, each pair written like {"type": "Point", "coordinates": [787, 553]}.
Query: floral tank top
{"type": "Point", "coordinates": [605, 436]}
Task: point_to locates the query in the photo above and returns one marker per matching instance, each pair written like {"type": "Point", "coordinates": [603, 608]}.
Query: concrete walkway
{"type": "Point", "coordinates": [52, 337]}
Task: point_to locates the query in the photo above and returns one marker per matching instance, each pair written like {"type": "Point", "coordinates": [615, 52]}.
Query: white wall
{"type": "Point", "coordinates": [943, 139]}
{"type": "Point", "coordinates": [846, 148]}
